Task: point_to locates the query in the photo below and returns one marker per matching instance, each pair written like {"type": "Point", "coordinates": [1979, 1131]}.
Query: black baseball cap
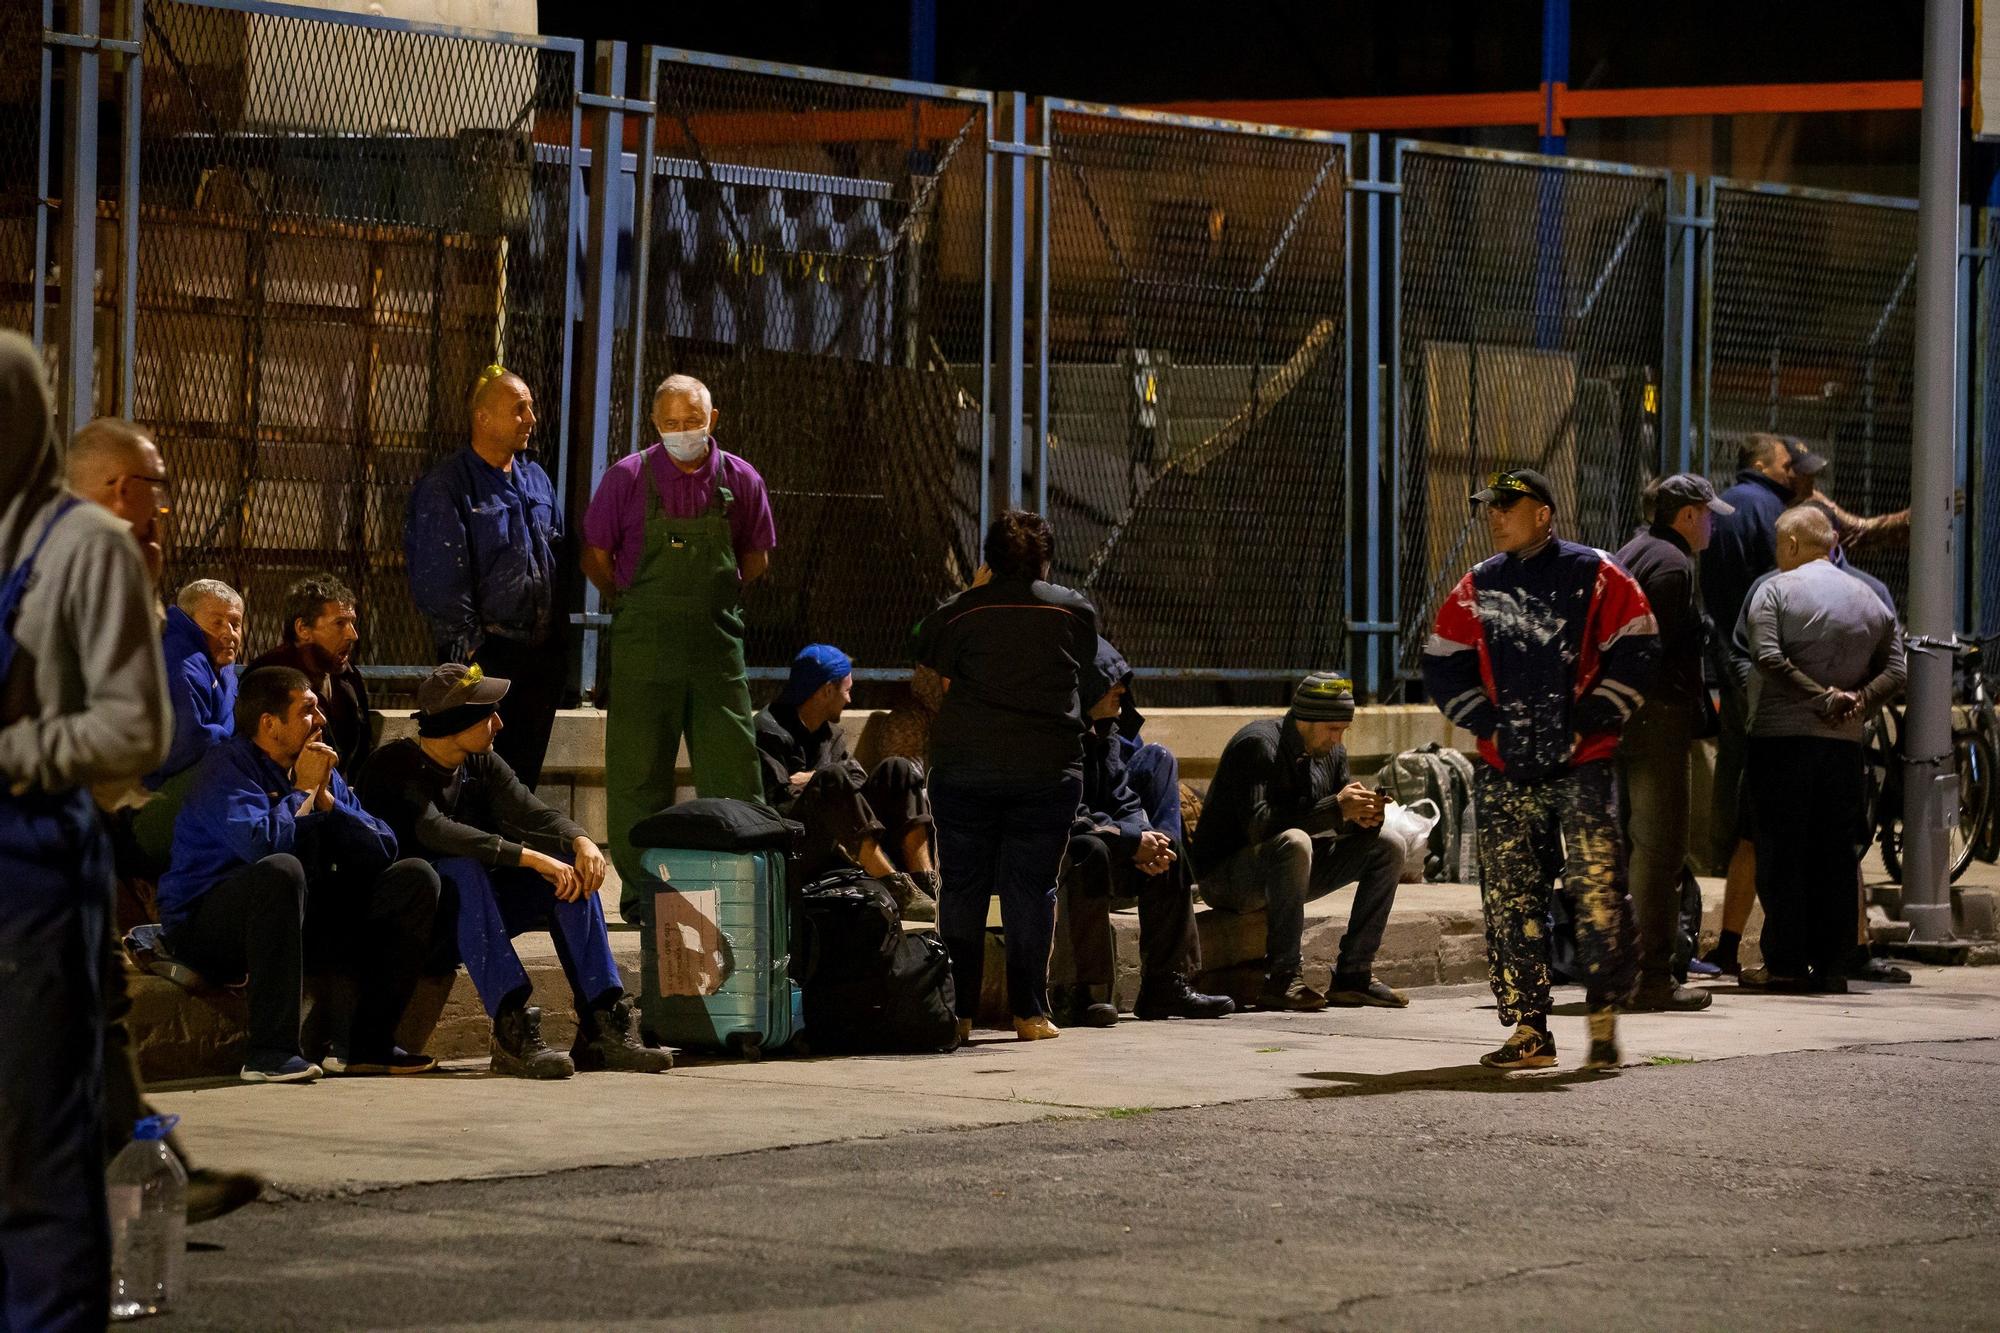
{"type": "Point", "coordinates": [1504, 488]}
{"type": "Point", "coordinates": [1804, 461]}
{"type": "Point", "coordinates": [1688, 488]}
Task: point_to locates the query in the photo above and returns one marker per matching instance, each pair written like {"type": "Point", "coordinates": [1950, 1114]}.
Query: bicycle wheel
{"type": "Point", "coordinates": [1987, 845]}
{"type": "Point", "coordinates": [1883, 755]}
{"type": "Point", "coordinates": [1973, 757]}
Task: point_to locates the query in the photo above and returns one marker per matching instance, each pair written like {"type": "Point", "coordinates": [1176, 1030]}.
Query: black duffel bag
{"type": "Point", "coordinates": [719, 824]}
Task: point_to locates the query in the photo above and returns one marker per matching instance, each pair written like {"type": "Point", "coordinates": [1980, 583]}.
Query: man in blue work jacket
{"type": "Point", "coordinates": [480, 538]}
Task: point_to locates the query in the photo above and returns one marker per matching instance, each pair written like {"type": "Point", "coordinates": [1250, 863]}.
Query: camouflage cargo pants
{"type": "Point", "coordinates": [1531, 834]}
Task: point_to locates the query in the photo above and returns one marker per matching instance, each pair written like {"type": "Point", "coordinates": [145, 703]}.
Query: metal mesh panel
{"type": "Point", "coordinates": [1532, 297]}
{"type": "Point", "coordinates": [1811, 332]}
{"type": "Point", "coordinates": [1984, 508]}
{"type": "Point", "coordinates": [339, 225]}
{"type": "Point", "coordinates": [1197, 341]}
{"type": "Point", "coordinates": [22, 145]}
{"type": "Point", "coordinates": [816, 256]}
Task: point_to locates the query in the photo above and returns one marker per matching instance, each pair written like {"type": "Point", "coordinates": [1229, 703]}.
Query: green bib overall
{"type": "Point", "coordinates": [676, 669]}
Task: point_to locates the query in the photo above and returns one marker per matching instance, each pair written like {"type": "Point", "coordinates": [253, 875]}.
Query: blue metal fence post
{"type": "Point", "coordinates": [128, 212]}
{"type": "Point", "coordinates": [1043, 183]}
{"type": "Point", "coordinates": [1555, 75]}
{"type": "Point", "coordinates": [1961, 432]}
{"type": "Point", "coordinates": [586, 464]}
{"type": "Point", "coordinates": [1676, 452]}
{"type": "Point", "coordinates": [1006, 490]}
{"type": "Point", "coordinates": [923, 40]}
{"type": "Point", "coordinates": [76, 403]}
{"type": "Point", "coordinates": [1368, 309]}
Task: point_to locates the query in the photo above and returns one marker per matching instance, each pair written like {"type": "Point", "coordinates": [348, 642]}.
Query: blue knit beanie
{"type": "Point", "coordinates": [816, 664]}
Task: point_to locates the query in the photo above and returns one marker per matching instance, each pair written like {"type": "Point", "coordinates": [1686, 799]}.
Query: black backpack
{"type": "Point", "coordinates": [867, 985]}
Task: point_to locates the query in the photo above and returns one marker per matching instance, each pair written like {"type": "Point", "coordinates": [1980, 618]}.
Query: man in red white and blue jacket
{"type": "Point", "coordinates": [1542, 652]}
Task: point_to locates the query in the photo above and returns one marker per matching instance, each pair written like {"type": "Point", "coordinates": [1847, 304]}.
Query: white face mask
{"type": "Point", "coordinates": [686, 446]}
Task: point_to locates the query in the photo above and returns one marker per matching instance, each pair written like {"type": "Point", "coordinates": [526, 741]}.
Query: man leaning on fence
{"type": "Point", "coordinates": [1659, 739]}
{"type": "Point", "coordinates": [481, 535]}
{"type": "Point", "coordinates": [1543, 651]}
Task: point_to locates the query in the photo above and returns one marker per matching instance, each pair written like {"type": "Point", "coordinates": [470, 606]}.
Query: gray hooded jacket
{"type": "Point", "coordinates": [86, 700]}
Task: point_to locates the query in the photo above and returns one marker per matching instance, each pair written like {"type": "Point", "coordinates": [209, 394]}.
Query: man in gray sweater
{"type": "Point", "coordinates": [83, 700]}
{"type": "Point", "coordinates": [1825, 652]}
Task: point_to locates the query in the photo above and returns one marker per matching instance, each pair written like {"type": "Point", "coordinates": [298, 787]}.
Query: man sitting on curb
{"type": "Point", "coordinates": [515, 865]}
{"type": "Point", "coordinates": [1282, 825]}
{"type": "Point", "coordinates": [1117, 851]}
{"type": "Point", "coordinates": [271, 850]}
{"type": "Point", "coordinates": [879, 821]}
{"type": "Point", "coordinates": [319, 641]}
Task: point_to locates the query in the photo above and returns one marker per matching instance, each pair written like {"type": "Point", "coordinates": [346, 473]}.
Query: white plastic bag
{"type": "Point", "coordinates": [1410, 830]}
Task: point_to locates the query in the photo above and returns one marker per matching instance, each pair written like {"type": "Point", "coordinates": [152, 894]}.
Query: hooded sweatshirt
{"type": "Point", "coordinates": [1111, 809]}
{"type": "Point", "coordinates": [86, 699]}
{"type": "Point", "coordinates": [203, 694]}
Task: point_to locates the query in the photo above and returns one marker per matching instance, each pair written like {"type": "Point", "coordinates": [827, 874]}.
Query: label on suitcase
{"type": "Point", "coordinates": [716, 950]}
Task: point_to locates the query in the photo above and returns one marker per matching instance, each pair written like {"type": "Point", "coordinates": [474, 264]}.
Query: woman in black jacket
{"type": "Point", "coordinates": [1007, 759]}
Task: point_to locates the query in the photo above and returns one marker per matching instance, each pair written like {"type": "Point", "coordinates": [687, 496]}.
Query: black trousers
{"type": "Point", "coordinates": [540, 674]}
{"type": "Point", "coordinates": [55, 895]}
{"type": "Point", "coordinates": [265, 920]}
{"type": "Point", "coordinates": [1098, 870]}
{"type": "Point", "coordinates": [840, 809]}
{"type": "Point", "coordinates": [1809, 796]}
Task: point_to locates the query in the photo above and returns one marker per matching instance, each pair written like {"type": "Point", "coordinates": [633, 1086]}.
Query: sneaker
{"type": "Point", "coordinates": [1172, 997]}
{"type": "Point", "coordinates": [1701, 967]}
{"type": "Point", "coordinates": [213, 1194]}
{"type": "Point", "coordinates": [398, 1061]}
{"type": "Point", "coordinates": [1879, 969]}
{"type": "Point", "coordinates": [614, 1042]}
{"type": "Point", "coordinates": [912, 903]}
{"type": "Point", "coordinates": [278, 1069]}
{"type": "Point", "coordinates": [1290, 994]}
{"type": "Point", "coordinates": [518, 1048]}
{"type": "Point", "coordinates": [1665, 997]}
{"type": "Point", "coordinates": [1603, 1039]}
{"type": "Point", "coordinates": [1038, 1028]}
{"type": "Point", "coordinates": [1353, 992]}
{"type": "Point", "coordinates": [1764, 979]}
{"type": "Point", "coordinates": [1528, 1048]}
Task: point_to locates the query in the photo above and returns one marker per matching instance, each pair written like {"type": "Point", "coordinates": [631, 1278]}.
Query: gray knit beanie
{"type": "Point", "coordinates": [1324, 697]}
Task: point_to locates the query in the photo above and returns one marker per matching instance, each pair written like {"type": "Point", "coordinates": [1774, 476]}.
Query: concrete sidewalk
{"type": "Point", "coordinates": [343, 1136]}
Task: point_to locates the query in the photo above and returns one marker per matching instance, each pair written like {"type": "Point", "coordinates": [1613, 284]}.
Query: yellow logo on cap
{"type": "Point", "coordinates": [1332, 685]}
{"type": "Point", "coordinates": [474, 674]}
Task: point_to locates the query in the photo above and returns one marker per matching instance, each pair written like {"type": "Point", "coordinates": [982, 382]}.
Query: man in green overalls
{"type": "Point", "coordinates": [671, 536]}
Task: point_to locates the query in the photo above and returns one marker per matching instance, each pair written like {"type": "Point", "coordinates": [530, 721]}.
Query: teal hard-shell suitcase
{"type": "Point", "coordinates": [716, 951]}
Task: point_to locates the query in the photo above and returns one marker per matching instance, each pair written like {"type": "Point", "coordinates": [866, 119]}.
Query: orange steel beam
{"type": "Point", "coordinates": [1464, 110]}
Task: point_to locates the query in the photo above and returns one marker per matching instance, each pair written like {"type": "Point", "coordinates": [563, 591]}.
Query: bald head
{"type": "Point", "coordinates": [503, 417]}
{"type": "Point", "coordinates": [115, 464]}
{"type": "Point", "coordinates": [1805, 534]}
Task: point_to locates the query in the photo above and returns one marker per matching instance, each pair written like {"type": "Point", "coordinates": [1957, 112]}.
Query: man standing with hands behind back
{"type": "Point", "coordinates": [480, 536]}
{"type": "Point", "coordinates": [673, 534]}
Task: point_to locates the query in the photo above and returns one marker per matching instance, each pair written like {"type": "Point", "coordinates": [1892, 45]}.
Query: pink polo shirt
{"type": "Point", "coordinates": [616, 519]}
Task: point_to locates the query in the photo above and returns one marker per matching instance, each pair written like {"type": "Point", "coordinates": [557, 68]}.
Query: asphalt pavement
{"type": "Point", "coordinates": [1827, 1176]}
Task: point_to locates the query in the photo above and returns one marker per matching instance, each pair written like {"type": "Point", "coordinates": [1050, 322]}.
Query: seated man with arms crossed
{"type": "Point", "coordinates": [515, 865]}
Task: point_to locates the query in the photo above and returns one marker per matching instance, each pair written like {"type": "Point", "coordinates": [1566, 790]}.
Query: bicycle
{"type": "Point", "coordinates": [1975, 750]}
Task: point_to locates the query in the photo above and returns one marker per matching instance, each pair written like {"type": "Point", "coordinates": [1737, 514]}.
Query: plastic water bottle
{"type": "Point", "coordinates": [148, 1197]}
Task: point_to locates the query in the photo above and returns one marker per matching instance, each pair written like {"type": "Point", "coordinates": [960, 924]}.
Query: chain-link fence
{"type": "Point", "coordinates": [25, 105]}
{"type": "Point", "coordinates": [816, 253]}
{"type": "Point", "coordinates": [1197, 429]}
{"type": "Point", "coordinates": [1810, 333]}
{"type": "Point", "coordinates": [340, 223]}
{"type": "Point", "coordinates": [1983, 506]}
{"type": "Point", "coordinates": [1531, 293]}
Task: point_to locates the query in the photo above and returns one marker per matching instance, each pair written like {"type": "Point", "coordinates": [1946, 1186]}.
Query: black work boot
{"type": "Point", "coordinates": [1172, 997]}
{"type": "Point", "coordinates": [608, 1038]}
{"type": "Point", "coordinates": [518, 1048]}
{"type": "Point", "coordinates": [1603, 1024]}
{"type": "Point", "coordinates": [1530, 1047]}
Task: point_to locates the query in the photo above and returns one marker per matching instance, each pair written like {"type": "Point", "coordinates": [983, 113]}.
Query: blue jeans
{"type": "Point", "coordinates": [496, 904]}
{"type": "Point", "coordinates": [1155, 777]}
{"type": "Point", "coordinates": [1007, 838]}
{"type": "Point", "coordinates": [55, 894]}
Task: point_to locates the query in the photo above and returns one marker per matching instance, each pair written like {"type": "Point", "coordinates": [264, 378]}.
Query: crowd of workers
{"type": "Point", "coordinates": [286, 843]}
